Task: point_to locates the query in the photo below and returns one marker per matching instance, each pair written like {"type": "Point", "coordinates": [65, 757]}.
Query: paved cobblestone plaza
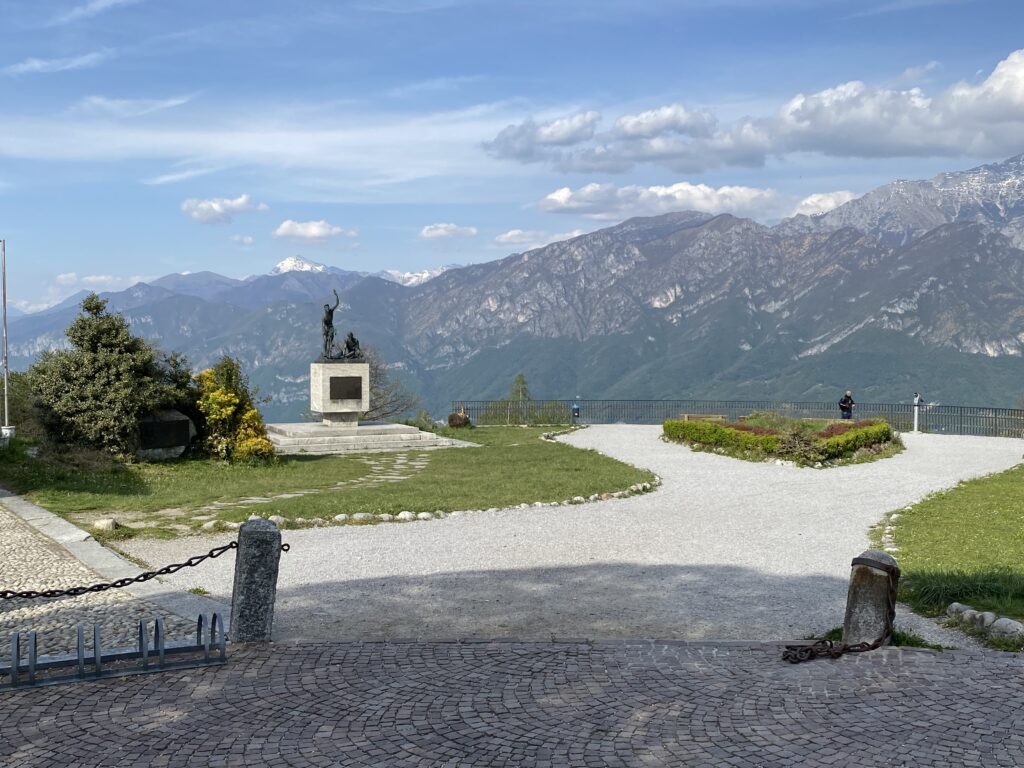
{"type": "Point", "coordinates": [533, 704]}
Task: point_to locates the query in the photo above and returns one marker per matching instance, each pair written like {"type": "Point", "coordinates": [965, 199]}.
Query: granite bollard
{"type": "Point", "coordinates": [255, 587]}
{"type": "Point", "coordinates": [871, 600]}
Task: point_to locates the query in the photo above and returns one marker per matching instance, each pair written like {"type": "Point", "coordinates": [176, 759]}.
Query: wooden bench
{"type": "Point", "coordinates": [702, 417]}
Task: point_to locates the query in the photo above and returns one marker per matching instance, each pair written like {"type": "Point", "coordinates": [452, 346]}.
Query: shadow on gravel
{"type": "Point", "coordinates": [599, 602]}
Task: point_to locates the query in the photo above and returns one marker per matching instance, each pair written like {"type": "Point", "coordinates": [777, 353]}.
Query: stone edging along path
{"type": "Point", "coordinates": [40, 551]}
{"type": "Point", "coordinates": [724, 550]}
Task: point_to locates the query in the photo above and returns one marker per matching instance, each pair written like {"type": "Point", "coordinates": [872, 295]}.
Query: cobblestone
{"type": "Point", "coordinates": [533, 705]}
{"type": "Point", "coordinates": [30, 561]}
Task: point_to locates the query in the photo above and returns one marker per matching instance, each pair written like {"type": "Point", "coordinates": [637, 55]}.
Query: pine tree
{"type": "Point", "coordinates": [520, 390]}
{"type": "Point", "coordinates": [94, 393]}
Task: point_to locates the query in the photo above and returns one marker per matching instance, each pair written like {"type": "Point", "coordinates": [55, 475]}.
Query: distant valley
{"type": "Point", "coordinates": [917, 285]}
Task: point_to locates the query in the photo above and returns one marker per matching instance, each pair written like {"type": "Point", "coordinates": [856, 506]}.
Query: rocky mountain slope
{"type": "Point", "coordinates": [914, 286]}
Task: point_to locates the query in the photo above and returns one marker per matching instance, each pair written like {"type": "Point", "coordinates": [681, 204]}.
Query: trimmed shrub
{"type": "Point", "coordinates": [842, 427]}
{"type": "Point", "coordinates": [850, 442]}
{"type": "Point", "coordinates": [791, 440]}
{"type": "Point", "coordinates": [724, 436]}
{"type": "Point", "coordinates": [458, 420]}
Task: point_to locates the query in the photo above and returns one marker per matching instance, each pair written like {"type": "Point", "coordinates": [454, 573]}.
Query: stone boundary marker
{"type": "Point", "coordinates": [871, 599]}
{"type": "Point", "coordinates": [255, 586]}
{"type": "Point", "coordinates": [108, 564]}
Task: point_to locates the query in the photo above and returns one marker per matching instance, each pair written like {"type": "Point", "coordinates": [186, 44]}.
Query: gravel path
{"type": "Point", "coordinates": [724, 550]}
{"type": "Point", "coordinates": [31, 561]}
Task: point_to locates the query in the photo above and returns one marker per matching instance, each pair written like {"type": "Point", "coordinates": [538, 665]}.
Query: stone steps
{"type": "Point", "coordinates": [319, 439]}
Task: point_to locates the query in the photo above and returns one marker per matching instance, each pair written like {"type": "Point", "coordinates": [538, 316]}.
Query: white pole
{"type": "Point", "coordinates": [3, 280]}
{"type": "Point", "coordinates": [917, 409]}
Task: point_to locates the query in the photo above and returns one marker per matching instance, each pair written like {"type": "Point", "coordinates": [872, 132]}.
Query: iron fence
{"type": "Point", "coordinates": [945, 419]}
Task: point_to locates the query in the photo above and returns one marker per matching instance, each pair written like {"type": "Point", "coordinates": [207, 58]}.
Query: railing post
{"type": "Point", "coordinates": [255, 588]}
{"type": "Point", "coordinates": [871, 599]}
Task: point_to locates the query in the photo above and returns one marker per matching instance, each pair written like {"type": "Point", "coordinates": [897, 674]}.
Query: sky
{"type": "Point", "coordinates": [144, 137]}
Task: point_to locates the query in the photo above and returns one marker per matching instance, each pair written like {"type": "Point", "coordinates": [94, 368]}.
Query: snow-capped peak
{"type": "Point", "coordinates": [412, 278]}
{"type": "Point", "coordinates": [297, 264]}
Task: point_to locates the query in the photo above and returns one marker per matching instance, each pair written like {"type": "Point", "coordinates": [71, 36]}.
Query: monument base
{"type": "Point", "coordinates": [339, 391]}
{"type": "Point", "coordinates": [317, 438]}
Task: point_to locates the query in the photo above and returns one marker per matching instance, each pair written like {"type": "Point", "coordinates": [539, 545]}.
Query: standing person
{"type": "Point", "coordinates": [846, 405]}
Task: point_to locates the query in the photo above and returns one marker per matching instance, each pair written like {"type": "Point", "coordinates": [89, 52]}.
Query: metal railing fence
{"type": "Point", "coordinates": [944, 419]}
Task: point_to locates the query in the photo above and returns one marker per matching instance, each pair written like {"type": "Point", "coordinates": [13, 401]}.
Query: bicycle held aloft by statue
{"type": "Point", "coordinates": [349, 350]}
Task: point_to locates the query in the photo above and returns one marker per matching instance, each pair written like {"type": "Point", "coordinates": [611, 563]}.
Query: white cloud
{"type": "Point", "coordinates": [219, 210]}
{"type": "Point", "coordinates": [913, 74]}
{"type": "Point", "coordinates": [91, 8]}
{"type": "Point", "coordinates": [43, 66]}
{"type": "Point", "coordinates": [245, 240]}
{"type": "Point", "coordinates": [529, 140]}
{"type": "Point", "coordinates": [67, 283]}
{"type": "Point", "coordinates": [319, 150]}
{"type": "Point", "coordinates": [101, 105]}
{"type": "Point", "coordinates": [822, 202]}
{"type": "Point", "coordinates": [437, 231]}
{"type": "Point", "coordinates": [176, 176]}
{"type": "Point", "coordinates": [311, 230]}
{"type": "Point", "coordinates": [608, 201]}
{"type": "Point", "coordinates": [674, 118]}
{"type": "Point", "coordinates": [533, 238]}
{"type": "Point", "coordinates": [852, 119]}
{"type": "Point", "coordinates": [434, 85]}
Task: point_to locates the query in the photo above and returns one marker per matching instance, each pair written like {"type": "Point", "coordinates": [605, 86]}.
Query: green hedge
{"type": "Point", "coordinates": [712, 433]}
{"type": "Point", "coordinates": [852, 441]}
{"type": "Point", "coordinates": [789, 444]}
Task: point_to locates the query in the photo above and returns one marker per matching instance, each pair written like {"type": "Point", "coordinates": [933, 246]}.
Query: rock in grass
{"type": "Point", "coordinates": [406, 515]}
{"type": "Point", "coordinates": [385, 517]}
{"type": "Point", "coordinates": [968, 616]}
{"type": "Point", "coordinates": [1006, 628]}
{"type": "Point", "coordinates": [106, 524]}
{"type": "Point", "coordinates": [340, 518]}
{"type": "Point", "coordinates": [955, 609]}
{"type": "Point", "coordinates": [211, 525]}
{"type": "Point", "coordinates": [278, 520]}
{"type": "Point", "coordinates": [362, 517]}
{"type": "Point", "coordinates": [985, 620]}
{"type": "Point", "coordinates": [424, 516]}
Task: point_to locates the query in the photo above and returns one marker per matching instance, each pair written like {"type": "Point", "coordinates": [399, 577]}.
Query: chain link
{"type": "Point", "coordinates": [795, 654]}
{"type": "Point", "coordinates": [192, 562]}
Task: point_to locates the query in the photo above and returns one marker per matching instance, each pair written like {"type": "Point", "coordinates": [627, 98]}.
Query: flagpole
{"type": "Point", "coordinates": [3, 281]}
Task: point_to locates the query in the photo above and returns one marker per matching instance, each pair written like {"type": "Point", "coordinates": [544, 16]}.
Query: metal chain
{"type": "Point", "coordinates": [192, 562]}
{"type": "Point", "coordinates": [795, 654]}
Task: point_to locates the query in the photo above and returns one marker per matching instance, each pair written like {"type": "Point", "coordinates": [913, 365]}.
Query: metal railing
{"type": "Point", "coordinates": [946, 419]}
{"type": "Point", "coordinates": [27, 668]}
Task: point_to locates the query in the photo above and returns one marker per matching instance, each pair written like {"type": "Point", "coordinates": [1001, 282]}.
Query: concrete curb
{"type": "Point", "coordinates": [108, 564]}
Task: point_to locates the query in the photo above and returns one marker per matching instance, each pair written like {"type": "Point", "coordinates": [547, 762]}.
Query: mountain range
{"type": "Point", "coordinates": [915, 286]}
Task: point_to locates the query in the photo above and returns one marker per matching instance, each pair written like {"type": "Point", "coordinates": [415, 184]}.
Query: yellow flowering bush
{"type": "Point", "coordinates": [234, 428]}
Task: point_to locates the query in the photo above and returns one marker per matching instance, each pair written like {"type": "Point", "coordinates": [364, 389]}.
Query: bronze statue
{"type": "Point", "coordinates": [329, 327]}
{"type": "Point", "coordinates": [351, 350]}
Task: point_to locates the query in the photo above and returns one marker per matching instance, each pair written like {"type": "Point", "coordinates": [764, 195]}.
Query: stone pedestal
{"type": "Point", "coordinates": [870, 602]}
{"type": "Point", "coordinates": [339, 391]}
{"type": "Point", "coordinates": [255, 588]}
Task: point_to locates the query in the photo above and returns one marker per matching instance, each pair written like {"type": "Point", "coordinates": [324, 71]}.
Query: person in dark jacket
{"type": "Point", "coordinates": [846, 405]}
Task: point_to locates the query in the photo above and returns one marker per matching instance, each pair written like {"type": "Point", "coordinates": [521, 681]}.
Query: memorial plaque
{"type": "Point", "coordinates": [346, 388]}
{"type": "Point", "coordinates": [163, 434]}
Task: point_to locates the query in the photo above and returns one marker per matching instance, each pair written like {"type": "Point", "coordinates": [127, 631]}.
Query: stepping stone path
{"type": "Point", "coordinates": [381, 469]}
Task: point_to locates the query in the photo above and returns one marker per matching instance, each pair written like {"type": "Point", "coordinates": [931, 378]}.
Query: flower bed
{"type": "Point", "coordinates": [767, 436]}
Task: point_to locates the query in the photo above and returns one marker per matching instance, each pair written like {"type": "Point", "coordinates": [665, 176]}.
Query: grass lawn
{"type": "Point", "coordinates": [966, 545]}
{"type": "Point", "coordinates": [512, 466]}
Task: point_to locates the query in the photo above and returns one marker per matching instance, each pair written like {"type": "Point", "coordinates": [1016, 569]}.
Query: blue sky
{"type": "Point", "coordinates": [142, 137]}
